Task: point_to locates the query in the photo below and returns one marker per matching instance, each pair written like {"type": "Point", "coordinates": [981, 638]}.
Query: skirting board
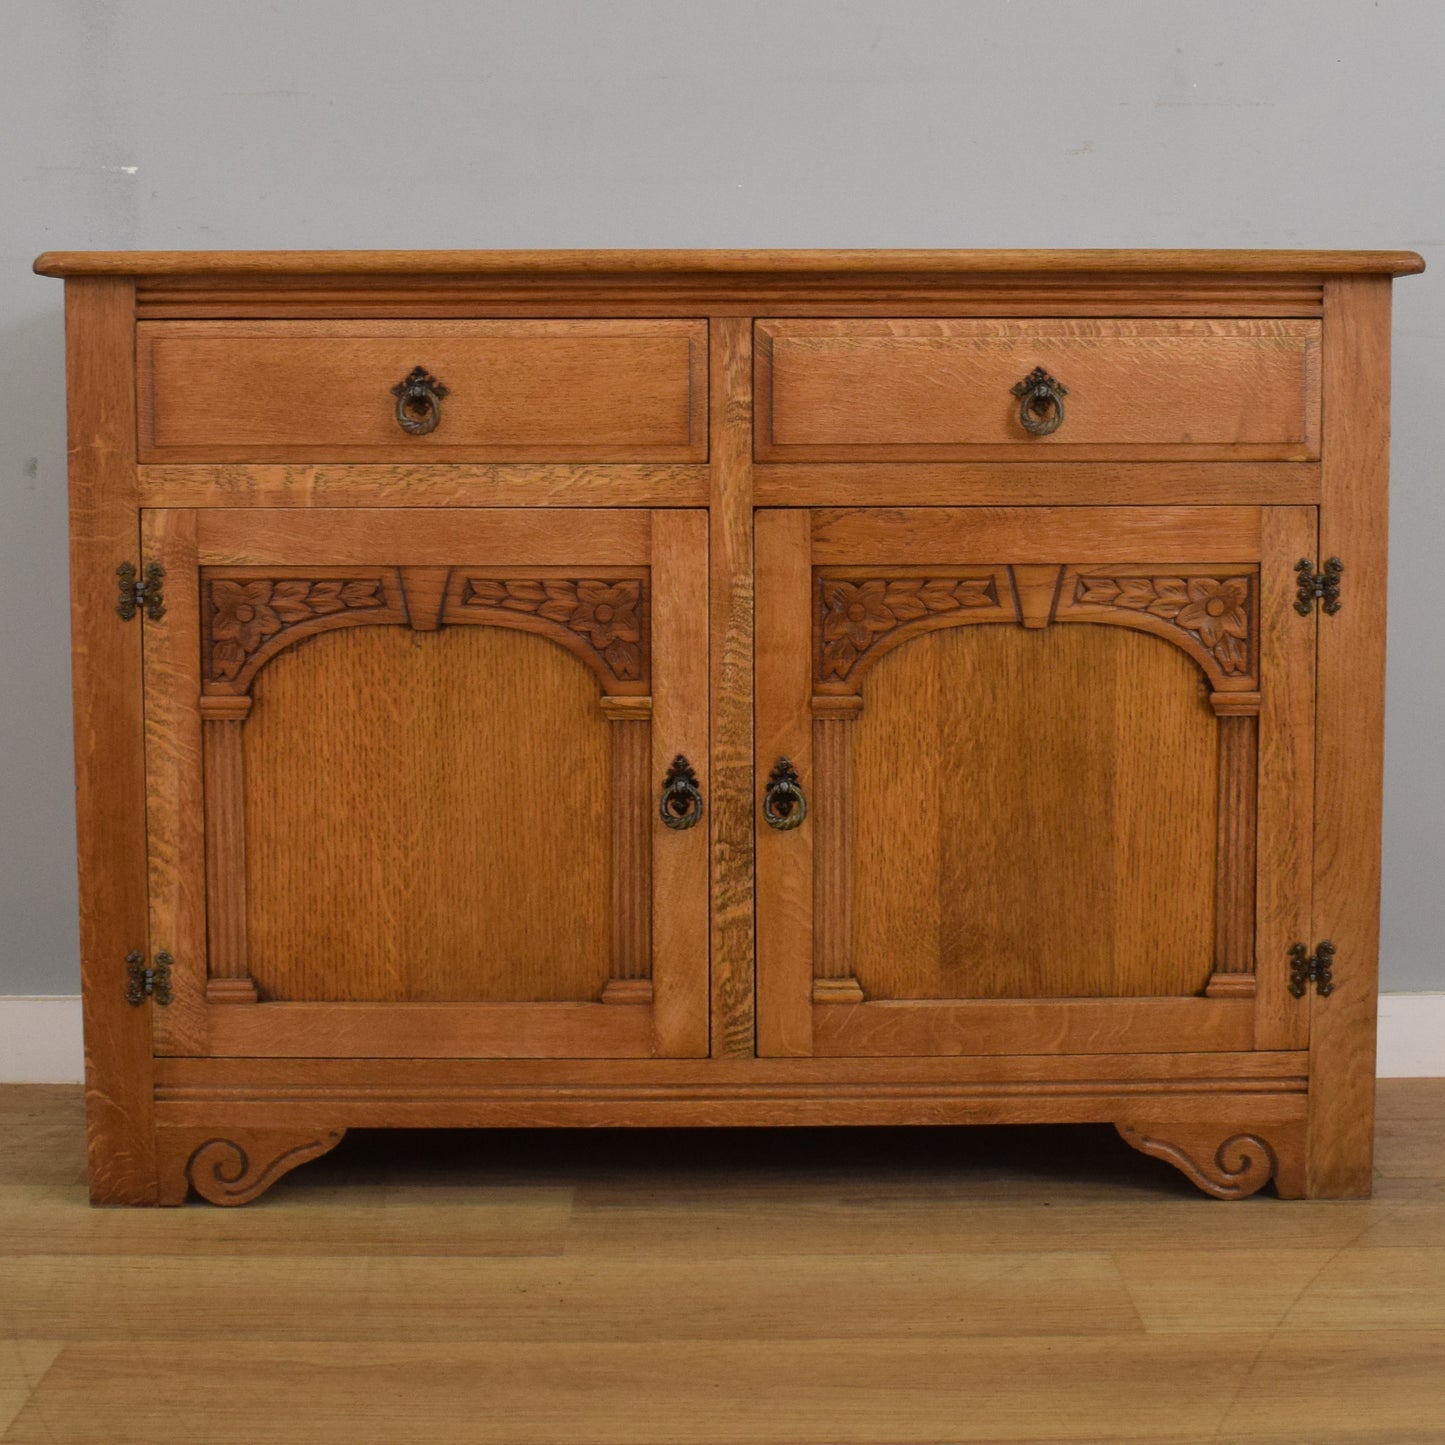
{"type": "Point", "coordinates": [40, 1038]}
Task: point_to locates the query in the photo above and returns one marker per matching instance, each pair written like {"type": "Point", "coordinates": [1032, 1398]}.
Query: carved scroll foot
{"type": "Point", "coordinates": [1227, 1161]}
{"type": "Point", "coordinates": [234, 1166]}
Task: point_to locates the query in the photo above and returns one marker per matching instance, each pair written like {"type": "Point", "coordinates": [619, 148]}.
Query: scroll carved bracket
{"type": "Point", "coordinates": [1229, 1164]}
{"type": "Point", "coordinates": [237, 1167]}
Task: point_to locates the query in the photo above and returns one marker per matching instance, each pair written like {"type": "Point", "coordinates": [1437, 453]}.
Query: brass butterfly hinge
{"type": "Point", "coordinates": [1306, 968]}
{"type": "Point", "coordinates": [142, 983]}
{"type": "Point", "coordinates": [140, 593]}
{"type": "Point", "coordinates": [1322, 587]}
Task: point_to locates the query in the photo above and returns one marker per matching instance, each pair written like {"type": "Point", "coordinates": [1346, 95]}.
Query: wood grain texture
{"type": "Point", "coordinates": [417, 537]}
{"type": "Point", "coordinates": [1349, 744]}
{"type": "Point", "coordinates": [1235, 868]}
{"type": "Point", "coordinates": [1034, 817]}
{"type": "Point", "coordinates": [110, 785]}
{"type": "Point", "coordinates": [1027, 483]}
{"type": "Point", "coordinates": [175, 783]}
{"type": "Point", "coordinates": [562, 1030]}
{"type": "Point", "coordinates": [660, 262]}
{"type": "Point", "coordinates": [939, 536]}
{"type": "Point", "coordinates": [730, 613]}
{"type": "Point", "coordinates": [630, 745]}
{"type": "Point", "coordinates": [291, 391]}
{"type": "Point", "coordinates": [785, 876]}
{"type": "Point", "coordinates": [1285, 795]}
{"type": "Point", "coordinates": [227, 930]}
{"type": "Point", "coordinates": [916, 390]}
{"type": "Point", "coordinates": [833, 830]}
{"type": "Point", "coordinates": [1075, 1025]}
{"type": "Point", "coordinates": [291, 1083]}
{"type": "Point", "coordinates": [680, 724]}
{"type": "Point", "coordinates": [428, 817]}
{"type": "Point", "coordinates": [440, 484]}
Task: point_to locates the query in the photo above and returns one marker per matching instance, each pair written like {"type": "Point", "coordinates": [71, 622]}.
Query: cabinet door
{"type": "Point", "coordinates": [1057, 772]}
{"type": "Point", "coordinates": [405, 774]}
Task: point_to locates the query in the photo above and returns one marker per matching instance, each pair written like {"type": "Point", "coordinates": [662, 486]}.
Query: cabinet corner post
{"type": "Point", "coordinates": [109, 735]}
{"type": "Point", "coordinates": [1350, 733]}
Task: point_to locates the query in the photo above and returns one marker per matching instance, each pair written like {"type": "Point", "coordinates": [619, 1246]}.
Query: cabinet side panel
{"type": "Point", "coordinates": [109, 739]}
{"type": "Point", "coordinates": [1350, 734]}
{"type": "Point", "coordinates": [731, 635]}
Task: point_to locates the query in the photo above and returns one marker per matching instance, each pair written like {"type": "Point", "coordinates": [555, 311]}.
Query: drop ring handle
{"type": "Point", "coordinates": [681, 803]}
{"type": "Point", "coordinates": [1041, 402]}
{"type": "Point", "coordinates": [419, 402]}
{"type": "Point", "coordinates": [784, 806]}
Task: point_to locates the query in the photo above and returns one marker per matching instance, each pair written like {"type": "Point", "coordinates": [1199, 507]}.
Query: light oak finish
{"type": "Point", "coordinates": [422, 799]}
{"type": "Point", "coordinates": [901, 390]}
{"type": "Point", "coordinates": [976, 774]}
{"type": "Point", "coordinates": [877, 1288]}
{"type": "Point", "coordinates": [382, 775]}
{"type": "Point", "coordinates": [109, 739]}
{"type": "Point", "coordinates": [440, 485]}
{"type": "Point", "coordinates": [722, 262]}
{"type": "Point", "coordinates": [514, 391]}
{"type": "Point", "coordinates": [1354, 518]}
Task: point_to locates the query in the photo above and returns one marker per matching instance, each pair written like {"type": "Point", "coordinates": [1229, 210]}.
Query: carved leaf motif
{"type": "Point", "coordinates": [247, 613]}
{"type": "Point", "coordinates": [607, 614]}
{"type": "Point", "coordinates": [1099, 590]}
{"type": "Point", "coordinates": [1215, 611]}
{"type": "Point", "coordinates": [856, 614]}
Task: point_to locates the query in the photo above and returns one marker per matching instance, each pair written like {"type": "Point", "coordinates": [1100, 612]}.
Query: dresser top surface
{"type": "Point", "coordinates": [721, 262]}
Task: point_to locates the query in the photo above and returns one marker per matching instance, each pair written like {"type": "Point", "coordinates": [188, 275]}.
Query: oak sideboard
{"type": "Point", "coordinates": [569, 688]}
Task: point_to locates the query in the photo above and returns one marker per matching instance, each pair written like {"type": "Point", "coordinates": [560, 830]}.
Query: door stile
{"type": "Point", "coordinates": [680, 857]}
{"type": "Point", "coordinates": [176, 816]}
{"type": "Point", "coordinates": [1286, 775]}
{"type": "Point", "coordinates": [785, 729]}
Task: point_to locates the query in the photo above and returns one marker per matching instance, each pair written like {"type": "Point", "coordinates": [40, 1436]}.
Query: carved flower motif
{"type": "Point", "coordinates": [855, 614]}
{"type": "Point", "coordinates": [241, 619]}
{"type": "Point", "coordinates": [245, 614]}
{"type": "Point", "coordinates": [1216, 610]}
{"type": "Point", "coordinates": [605, 613]}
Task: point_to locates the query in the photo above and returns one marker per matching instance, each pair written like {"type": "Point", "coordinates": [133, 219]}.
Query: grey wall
{"type": "Point", "coordinates": [233, 123]}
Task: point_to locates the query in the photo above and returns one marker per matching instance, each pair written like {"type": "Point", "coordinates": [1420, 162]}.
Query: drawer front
{"type": "Point", "coordinates": [906, 390]}
{"type": "Point", "coordinates": [524, 391]}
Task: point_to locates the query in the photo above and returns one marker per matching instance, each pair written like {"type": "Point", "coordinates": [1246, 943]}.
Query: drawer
{"type": "Point", "coordinates": [1138, 390]}
{"type": "Point", "coordinates": [520, 391]}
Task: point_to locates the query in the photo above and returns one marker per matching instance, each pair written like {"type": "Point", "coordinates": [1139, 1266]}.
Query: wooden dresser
{"type": "Point", "coordinates": [732, 687]}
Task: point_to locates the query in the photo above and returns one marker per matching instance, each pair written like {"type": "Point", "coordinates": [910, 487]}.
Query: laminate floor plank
{"type": "Point", "coordinates": [166, 1297]}
{"type": "Point", "coordinates": [314, 1218]}
{"type": "Point", "coordinates": [843, 1287]}
{"type": "Point", "coordinates": [856, 1392]}
{"type": "Point", "coordinates": [22, 1365]}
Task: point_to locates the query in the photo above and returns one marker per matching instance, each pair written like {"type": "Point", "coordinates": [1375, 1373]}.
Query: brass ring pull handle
{"type": "Point", "coordinates": [419, 402]}
{"type": "Point", "coordinates": [1041, 402]}
{"type": "Point", "coordinates": [784, 805]}
{"type": "Point", "coordinates": [681, 804]}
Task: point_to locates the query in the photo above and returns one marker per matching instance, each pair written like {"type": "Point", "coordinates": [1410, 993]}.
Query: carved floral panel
{"type": "Point", "coordinates": [607, 616]}
{"type": "Point", "coordinates": [249, 618]}
{"type": "Point", "coordinates": [855, 615]}
{"type": "Point", "coordinates": [1209, 612]}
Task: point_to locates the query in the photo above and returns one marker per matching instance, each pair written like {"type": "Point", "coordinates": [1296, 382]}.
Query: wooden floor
{"type": "Point", "coordinates": [820, 1286]}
